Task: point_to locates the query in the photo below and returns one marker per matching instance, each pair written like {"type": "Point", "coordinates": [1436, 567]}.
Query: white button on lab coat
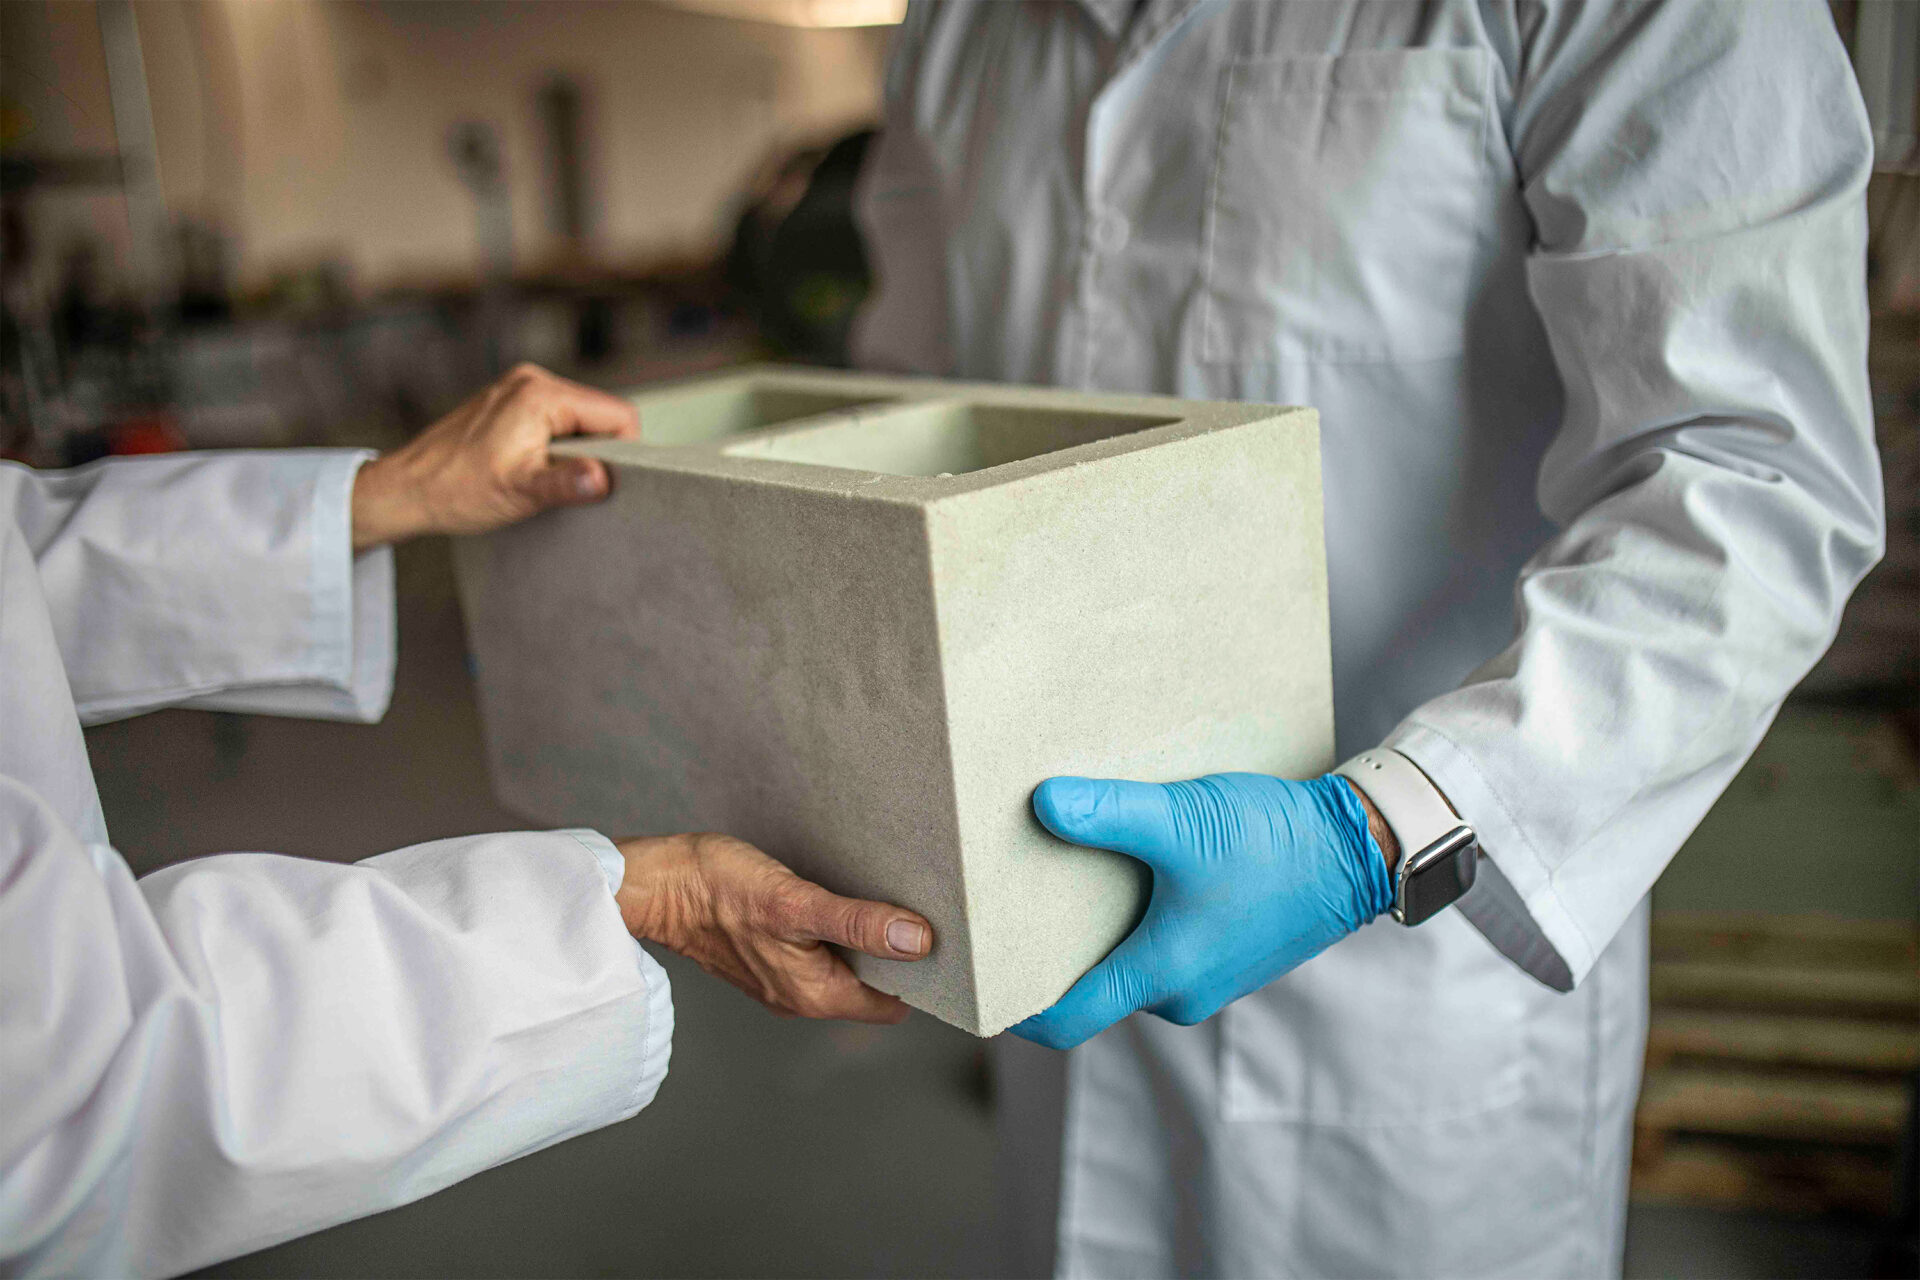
{"type": "Point", "coordinates": [1578, 292]}
{"type": "Point", "coordinates": [242, 1048]}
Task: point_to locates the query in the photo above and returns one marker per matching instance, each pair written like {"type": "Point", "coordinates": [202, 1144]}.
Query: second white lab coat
{"type": "Point", "coordinates": [1578, 292]}
{"type": "Point", "coordinates": [243, 1048]}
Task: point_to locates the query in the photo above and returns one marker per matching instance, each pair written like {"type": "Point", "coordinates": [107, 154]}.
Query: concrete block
{"type": "Point", "coordinates": [855, 620]}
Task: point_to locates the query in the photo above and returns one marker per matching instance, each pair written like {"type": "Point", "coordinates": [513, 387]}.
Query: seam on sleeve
{"type": "Point", "coordinates": [107, 710]}
{"type": "Point", "coordinates": [656, 1054]}
{"type": "Point", "coordinates": [1825, 204]}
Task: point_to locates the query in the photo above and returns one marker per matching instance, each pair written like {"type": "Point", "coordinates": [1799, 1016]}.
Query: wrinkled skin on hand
{"type": "Point", "coordinates": [1252, 876]}
{"type": "Point", "coordinates": [487, 465]}
{"type": "Point", "coordinates": [746, 918]}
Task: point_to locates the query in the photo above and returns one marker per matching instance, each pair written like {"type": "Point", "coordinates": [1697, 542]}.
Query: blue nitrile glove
{"type": "Point", "coordinates": [1251, 876]}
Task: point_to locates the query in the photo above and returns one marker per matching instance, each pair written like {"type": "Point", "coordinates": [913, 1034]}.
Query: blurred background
{"type": "Point", "coordinates": [285, 222]}
{"type": "Point", "coordinates": [239, 223]}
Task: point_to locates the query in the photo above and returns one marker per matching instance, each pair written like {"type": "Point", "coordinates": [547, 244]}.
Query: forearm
{"type": "Point", "coordinates": [1657, 639]}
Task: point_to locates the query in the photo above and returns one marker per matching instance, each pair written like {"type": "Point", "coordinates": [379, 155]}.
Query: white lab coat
{"type": "Point", "coordinates": [1578, 292]}
{"type": "Point", "coordinates": [242, 1048]}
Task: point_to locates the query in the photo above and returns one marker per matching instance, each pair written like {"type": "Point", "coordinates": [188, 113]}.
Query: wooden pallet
{"type": "Point", "coordinates": [1780, 1061]}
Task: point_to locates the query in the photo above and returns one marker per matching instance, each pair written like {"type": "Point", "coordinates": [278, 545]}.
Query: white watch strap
{"type": "Point", "coordinates": [1415, 810]}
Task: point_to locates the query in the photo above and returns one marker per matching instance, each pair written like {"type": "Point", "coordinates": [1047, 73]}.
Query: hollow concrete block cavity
{"type": "Point", "coordinates": [855, 620]}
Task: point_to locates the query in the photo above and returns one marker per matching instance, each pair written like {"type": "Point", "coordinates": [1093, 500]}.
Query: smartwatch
{"type": "Point", "coordinates": [1438, 852]}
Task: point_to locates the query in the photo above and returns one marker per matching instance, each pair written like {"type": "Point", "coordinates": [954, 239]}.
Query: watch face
{"type": "Point", "coordinates": [1439, 875]}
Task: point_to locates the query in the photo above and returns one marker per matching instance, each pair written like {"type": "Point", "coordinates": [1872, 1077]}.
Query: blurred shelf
{"type": "Point", "coordinates": [1854, 990]}
{"type": "Point", "coordinates": [1783, 1040]}
{"type": "Point", "coordinates": [1819, 1107]}
{"type": "Point", "coordinates": [1781, 1061]}
{"type": "Point", "coordinates": [1729, 1175]}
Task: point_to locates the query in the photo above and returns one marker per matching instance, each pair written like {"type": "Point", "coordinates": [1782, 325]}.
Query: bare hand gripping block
{"type": "Point", "coordinates": [856, 620]}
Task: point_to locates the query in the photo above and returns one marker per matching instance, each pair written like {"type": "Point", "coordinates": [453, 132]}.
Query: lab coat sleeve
{"type": "Point", "coordinates": [244, 1048]}
{"type": "Point", "coordinates": [1696, 176]}
{"type": "Point", "coordinates": [223, 580]}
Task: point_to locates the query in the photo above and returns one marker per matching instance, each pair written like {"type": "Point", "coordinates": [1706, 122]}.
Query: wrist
{"type": "Point", "coordinates": [658, 897]}
{"type": "Point", "coordinates": [1377, 826]}
{"type": "Point", "coordinates": [1369, 872]}
{"type": "Point", "coordinates": [385, 507]}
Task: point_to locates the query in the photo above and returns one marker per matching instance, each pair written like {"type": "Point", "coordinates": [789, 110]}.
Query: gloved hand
{"type": "Point", "coordinates": [1251, 876]}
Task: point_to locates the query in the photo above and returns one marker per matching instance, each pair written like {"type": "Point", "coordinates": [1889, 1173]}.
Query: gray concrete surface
{"type": "Point", "coordinates": [860, 636]}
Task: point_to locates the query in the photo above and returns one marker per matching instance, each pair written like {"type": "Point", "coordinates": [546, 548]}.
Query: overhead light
{"type": "Point", "coordinates": [803, 13]}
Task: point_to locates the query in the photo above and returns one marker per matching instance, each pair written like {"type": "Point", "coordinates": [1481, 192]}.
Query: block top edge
{"type": "Point", "coordinates": [899, 439]}
{"type": "Point", "coordinates": [773, 376]}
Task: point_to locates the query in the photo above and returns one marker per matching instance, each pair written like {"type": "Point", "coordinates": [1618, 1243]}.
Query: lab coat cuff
{"type": "Point", "coordinates": [1513, 902]}
{"type": "Point", "coordinates": [612, 865]}
{"type": "Point", "coordinates": [354, 643]}
{"type": "Point", "coordinates": [656, 1054]}
{"type": "Point", "coordinates": [658, 1046]}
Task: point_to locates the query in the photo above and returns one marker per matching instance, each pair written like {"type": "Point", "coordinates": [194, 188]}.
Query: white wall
{"type": "Point", "coordinates": [317, 128]}
{"type": "Point", "coordinates": [53, 91]}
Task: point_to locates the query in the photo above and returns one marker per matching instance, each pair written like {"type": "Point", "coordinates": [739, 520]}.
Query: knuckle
{"type": "Point", "coordinates": [814, 1003]}
{"type": "Point", "coordinates": [525, 394]}
{"type": "Point", "coordinates": [861, 927]}
{"type": "Point", "coordinates": [787, 904]}
{"type": "Point", "coordinates": [1124, 991]}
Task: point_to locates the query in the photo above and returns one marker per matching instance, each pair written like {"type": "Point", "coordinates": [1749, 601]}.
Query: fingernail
{"type": "Point", "coordinates": [906, 937]}
{"type": "Point", "coordinates": [587, 483]}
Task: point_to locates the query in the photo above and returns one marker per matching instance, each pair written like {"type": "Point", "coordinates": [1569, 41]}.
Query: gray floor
{"type": "Point", "coordinates": [775, 1148]}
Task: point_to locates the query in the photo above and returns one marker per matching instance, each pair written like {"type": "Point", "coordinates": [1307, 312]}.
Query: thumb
{"type": "Point", "coordinates": [568, 482]}
{"type": "Point", "coordinates": [876, 928]}
{"type": "Point", "coordinates": [1133, 818]}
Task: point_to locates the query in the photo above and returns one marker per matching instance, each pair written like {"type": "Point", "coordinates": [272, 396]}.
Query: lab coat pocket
{"type": "Point", "coordinates": [1353, 201]}
{"type": "Point", "coordinates": [1393, 1027]}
